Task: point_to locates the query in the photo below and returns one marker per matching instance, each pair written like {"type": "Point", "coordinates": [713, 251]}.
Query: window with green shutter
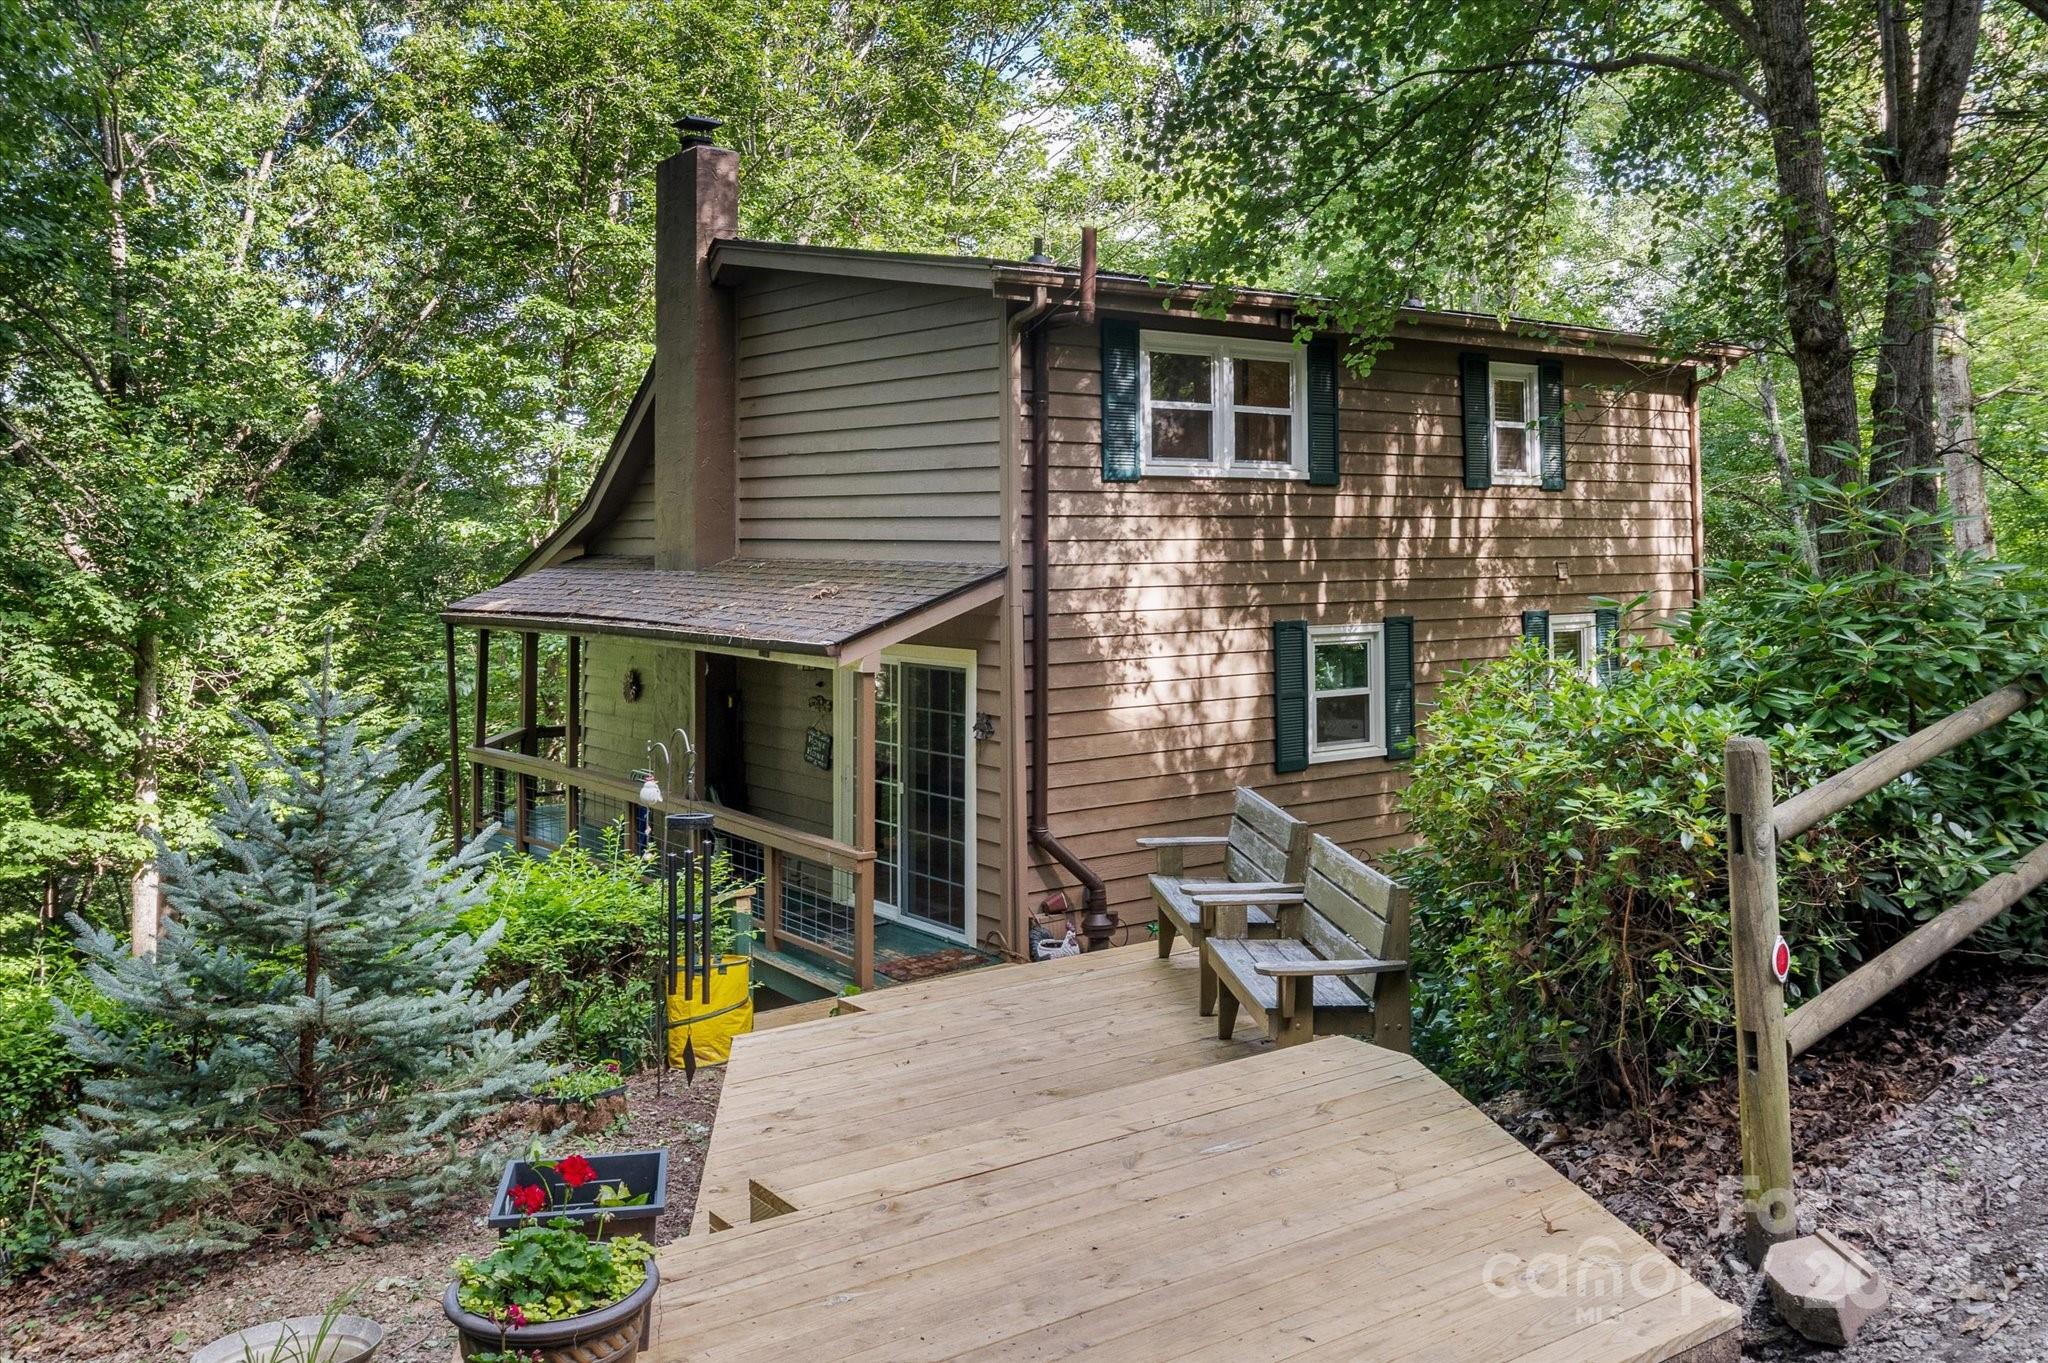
{"type": "Point", "coordinates": [1342, 692]}
{"type": "Point", "coordinates": [1120, 402]}
{"type": "Point", "coordinates": [1550, 416]}
{"type": "Point", "coordinates": [1536, 625]}
{"type": "Point", "coordinates": [1607, 637]}
{"type": "Point", "coordinates": [1290, 695]}
{"type": "Point", "coordinates": [1476, 408]}
{"type": "Point", "coordinates": [1322, 414]}
{"type": "Point", "coordinates": [1398, 645]}
{"type": "Point", "coordinates": [1513, 418]}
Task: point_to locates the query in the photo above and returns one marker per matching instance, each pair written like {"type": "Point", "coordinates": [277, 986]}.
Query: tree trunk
{"type": "Point", "coordinates": [145, 893]}
{"type": "Point", "coordinates": [1923, 93]}
{"type": "Point", "coordinates": [1788, 477]}
{"type": "Point", "coordinates": [1955, 406]}
{"type": "Point", "coordinates": [1816, 321]}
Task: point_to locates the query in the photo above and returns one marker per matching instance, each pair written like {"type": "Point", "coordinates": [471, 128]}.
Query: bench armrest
{"type": "Point", "coordinates": [1289, 969]}
{"type": "Point", "coordinates": [1202, 840]}
{"type": "Point", "coordinates": [1199, 888]}
{"type": "Point", "coordinates": [1254, 897]}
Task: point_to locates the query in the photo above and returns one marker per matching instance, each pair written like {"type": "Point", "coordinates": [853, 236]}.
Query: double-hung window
{"type": "Point", "coordinates": [1514, 414]}
{"type": "Point", "coordinates": [1576, 639]}
{"type": "Point", "coordinates": [1346, 698]}
{"type": "Point", "coordinates": [1213, 406]}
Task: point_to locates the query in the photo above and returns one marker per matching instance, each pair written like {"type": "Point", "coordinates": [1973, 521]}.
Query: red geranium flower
{"type": "Point", "coordinates": [528, 1198]}
{"type": "Point", "coordinates": [575, 1171]}
{"type": "Point", "coordinates": [515, 1317]}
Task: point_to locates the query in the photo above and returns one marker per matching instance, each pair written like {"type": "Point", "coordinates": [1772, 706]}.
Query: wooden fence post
{"type": "Point", "coordinates": [1763, 1060]}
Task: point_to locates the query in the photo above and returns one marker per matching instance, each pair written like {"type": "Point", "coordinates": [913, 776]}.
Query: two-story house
{"type": "Point", "coordinates": [961, 574]}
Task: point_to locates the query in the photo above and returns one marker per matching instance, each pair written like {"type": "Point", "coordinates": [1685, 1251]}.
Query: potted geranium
{"type": "Point", "coordinates": [621, 1194]}
{"type": "Point", "coordinates": [551, 1294]}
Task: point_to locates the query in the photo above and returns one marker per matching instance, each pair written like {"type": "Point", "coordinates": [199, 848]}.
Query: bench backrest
{"type": "Point", "coordinates": [1266, 842]}
{"type": "Point", "coordinates": [1353, 910]}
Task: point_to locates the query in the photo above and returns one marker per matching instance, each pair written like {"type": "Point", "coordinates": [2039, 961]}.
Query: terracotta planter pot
{"type": "Point", "coordinates": [610, 1334]}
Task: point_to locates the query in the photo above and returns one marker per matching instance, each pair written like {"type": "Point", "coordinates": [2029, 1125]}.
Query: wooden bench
{"type": "Point", "coordinates": [1338, 966]}
{"type": "Point", "coordinates": [1264, 853]}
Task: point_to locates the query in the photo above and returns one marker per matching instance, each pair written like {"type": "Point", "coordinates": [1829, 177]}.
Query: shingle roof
{"type": "Point", "coordinates": [790, 605]}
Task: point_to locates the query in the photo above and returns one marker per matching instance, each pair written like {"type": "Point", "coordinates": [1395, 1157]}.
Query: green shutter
{"type": "Point", "coordinates": [1322, 414]}
{"type": "Point", "coordinates": [1290, 695]}
{"type": "Point", "coordinates": [1119, 402]}
{"type": "Point", "coordinates": [1477, 407]}
{"type": "Point", "coordinates": [1607, 637]}
{"type": "Point", "coordinates": [1536, 625]}
{"type": "Point", "coordinates": [1550, 413]}
{"type": "Point", "coordinates": [1398, 638]}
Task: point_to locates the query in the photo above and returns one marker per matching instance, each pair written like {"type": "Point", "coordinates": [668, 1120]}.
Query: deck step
{"type": "Point", "coordinates": [810, 974]}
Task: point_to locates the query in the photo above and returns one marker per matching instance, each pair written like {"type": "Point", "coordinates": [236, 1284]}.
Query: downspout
{"type": "Point", "coordinates": [1097, 923]}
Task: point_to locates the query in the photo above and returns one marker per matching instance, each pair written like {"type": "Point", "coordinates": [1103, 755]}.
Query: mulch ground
{"type": "Point", "coordinates": [1871, 1108]}
{"type": "Point", "coordinates": [80, 1312]}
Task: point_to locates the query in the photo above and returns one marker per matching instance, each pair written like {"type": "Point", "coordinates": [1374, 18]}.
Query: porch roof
{"type": "Point", "coordinates": [829, 607]}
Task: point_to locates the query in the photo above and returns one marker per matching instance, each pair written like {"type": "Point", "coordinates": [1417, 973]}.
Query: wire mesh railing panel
{"type": "Point", "coordinates": [810, 908]}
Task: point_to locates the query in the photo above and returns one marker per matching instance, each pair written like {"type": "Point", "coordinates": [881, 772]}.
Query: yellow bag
{"type": "Point", "coordinates": [708, 1025]}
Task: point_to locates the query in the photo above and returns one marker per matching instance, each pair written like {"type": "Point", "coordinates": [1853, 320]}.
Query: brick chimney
{"type": "Point", "coordinates": [696, 201]}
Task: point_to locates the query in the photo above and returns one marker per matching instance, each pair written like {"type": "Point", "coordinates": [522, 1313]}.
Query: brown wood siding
{"type": "Point", "coordinates": [869, 420]}
{"type": "Point", "coordinates": [1164, 591]}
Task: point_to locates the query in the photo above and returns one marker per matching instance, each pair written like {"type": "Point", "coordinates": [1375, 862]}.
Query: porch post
{"type": "Point", "coordinates": [572, 740]}
{"type": "Point", "coordinates": [481, 732]}
{"type": "Point", "coordinates": [529, 718]}
{"type": "Point", "coordinates": [455, 834]}
{"type": "Point", "coordinates": [864, 826]}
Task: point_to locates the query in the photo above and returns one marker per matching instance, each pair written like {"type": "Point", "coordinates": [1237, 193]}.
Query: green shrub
{"type": "Point", "coordinates": [38, 1085]}
{"type": "Point", "coordinates": [1571, 902]}
{"type": "Point", "coordinates": [584, 931]}
{"type": "Point", "coordinates": [1861, 661]}
{"type": "Point", "coordinates": [1571, 916]}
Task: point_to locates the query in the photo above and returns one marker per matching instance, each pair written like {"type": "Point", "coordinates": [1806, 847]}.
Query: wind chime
{"type": "Point", "coordinates": [685, 874]}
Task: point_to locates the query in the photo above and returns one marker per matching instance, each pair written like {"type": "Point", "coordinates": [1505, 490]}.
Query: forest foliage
{"type": "Point", "coordinates": [1571, 890]}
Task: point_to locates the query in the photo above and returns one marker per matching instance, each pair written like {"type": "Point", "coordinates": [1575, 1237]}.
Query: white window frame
{"type": "Point", "coordinates": [846, 795]}
{"type": "Point", "coordinates": [1584, 624]}
{"type": "Point", "coordinates": [1220, 351]}
{"type": "Point", "coordinates": [1530, 423]}
{"type": "Point", "coordinates": [1375, 744]}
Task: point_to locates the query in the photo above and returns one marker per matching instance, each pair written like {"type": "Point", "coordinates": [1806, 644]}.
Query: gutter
{"type": "Point", "coordinates": [1097, 923]}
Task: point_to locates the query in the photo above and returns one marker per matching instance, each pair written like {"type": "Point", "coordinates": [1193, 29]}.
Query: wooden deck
{"type": "Point", "coordinates": [1034, 1161]}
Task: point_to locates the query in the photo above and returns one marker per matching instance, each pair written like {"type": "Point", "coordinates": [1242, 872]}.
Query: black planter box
{"type": "Point", "coordinates": [641, 1171]}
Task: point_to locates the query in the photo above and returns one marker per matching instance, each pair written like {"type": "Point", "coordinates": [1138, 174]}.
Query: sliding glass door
{"type": "Point", "coordinates": [923, 776]}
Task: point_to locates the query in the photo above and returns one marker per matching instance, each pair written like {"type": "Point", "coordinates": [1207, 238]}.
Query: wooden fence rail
{"type": "Point", "coordinates": [1766, 1039]}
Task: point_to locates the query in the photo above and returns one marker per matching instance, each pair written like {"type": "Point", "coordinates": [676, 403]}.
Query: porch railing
{"type": "Point", "coordinates": [500, 775]}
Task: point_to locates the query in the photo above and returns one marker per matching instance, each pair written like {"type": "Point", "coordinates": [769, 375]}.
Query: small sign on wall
{"type": "Point", "coordinates": [818, 748]}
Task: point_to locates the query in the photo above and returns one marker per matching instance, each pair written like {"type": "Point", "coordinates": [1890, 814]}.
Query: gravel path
{"type": "Point", "coordinates": [1951, 1200]}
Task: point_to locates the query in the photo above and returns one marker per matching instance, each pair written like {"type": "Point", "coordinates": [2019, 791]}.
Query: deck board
{"type": "Point", "coordinates": [1112, 1179]}
{"type": "Point", "coordinates": [948, 1052]}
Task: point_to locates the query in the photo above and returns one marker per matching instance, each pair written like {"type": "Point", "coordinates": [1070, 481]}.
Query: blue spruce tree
{"type": "Point", "coordinates": [305, 1043]}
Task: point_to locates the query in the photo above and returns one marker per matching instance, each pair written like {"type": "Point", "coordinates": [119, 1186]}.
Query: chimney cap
{"type": "Point", "coordinates": [696, 130]}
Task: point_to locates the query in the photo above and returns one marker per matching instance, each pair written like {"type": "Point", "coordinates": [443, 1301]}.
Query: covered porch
{"type": "Point", "coordinates": [796, 704]}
